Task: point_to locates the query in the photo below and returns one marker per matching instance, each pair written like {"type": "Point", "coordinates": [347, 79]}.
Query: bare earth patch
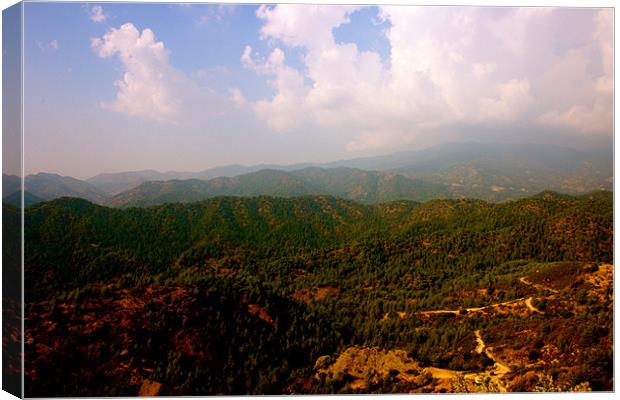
{"type": "Point", "coordinates": [363, 366]}
{"type": "Point", "coordinates": [316, 294]}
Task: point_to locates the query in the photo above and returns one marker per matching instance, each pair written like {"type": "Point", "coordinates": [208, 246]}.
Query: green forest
{"type": "Point", "coordinates": [267, 295]}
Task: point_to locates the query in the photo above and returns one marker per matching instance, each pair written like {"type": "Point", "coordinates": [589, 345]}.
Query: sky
{"type": "Point", "coordinates": [114, 87]}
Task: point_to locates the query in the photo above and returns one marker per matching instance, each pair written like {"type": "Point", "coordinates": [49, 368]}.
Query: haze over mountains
{"type": "Point", "coordinates": [491, 171]}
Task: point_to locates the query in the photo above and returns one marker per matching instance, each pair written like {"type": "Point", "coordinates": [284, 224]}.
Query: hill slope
{"type": "Point", "coordinates": [47, 186]}
{"type": "Point", "coordinates": [263, 294]}
{"type": "Point", "coordinates": [115, 183]}
{"type": "Point", "coordinates": [357, 185]}
{"type": "Point", "coordinates": [498, 172]}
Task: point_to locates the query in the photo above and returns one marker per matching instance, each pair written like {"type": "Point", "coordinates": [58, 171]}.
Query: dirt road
{"type": "Point", "coordinates": [501, 368]}
{"type": "Point", "coordinates": [480, 346]}
{"type": "Point", "coordinates": [530, 306]}
{"type": "Point", "coordinates": [473, 309]}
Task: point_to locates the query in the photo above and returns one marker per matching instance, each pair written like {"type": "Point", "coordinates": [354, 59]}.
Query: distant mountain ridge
{"type": "Point", "coordinates": [115, 183]}
{"type": "Point", "coordinates": [493, 164]}
{"type": "Point", "coordinates": [490, 171]}
{"type": "Point", "coordinates": [46, 186]}
{"type": "Point", "coordinates": [347, 183]}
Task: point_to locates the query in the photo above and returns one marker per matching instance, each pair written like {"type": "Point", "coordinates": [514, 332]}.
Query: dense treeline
{"type": "Point", "coordinates": [264, 281]}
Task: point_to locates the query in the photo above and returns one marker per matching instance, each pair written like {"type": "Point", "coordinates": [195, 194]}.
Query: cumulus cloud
{"type": "Point", "coordinates": [585, 119]}
{"type": "Point", "coordinates": [150, 87]}
{"type": "Point", "coordinates": [583, 79]}
{"type": "Point", "coordinates": [148, 83]}
{"type": "Point", "coordinates": [286, 110]}
{"type": "Point", "coordinates": [303, 25]}
{"type": "Point", "coordinates": [512, 98]}
{"type": "Point", "coordinates": [96, 14]}
{"type": "Point", "coordinates": [447, 66]}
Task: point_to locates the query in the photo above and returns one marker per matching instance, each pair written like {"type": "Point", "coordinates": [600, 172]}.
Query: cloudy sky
{"type": "Point", "coordinates": [115, 87]}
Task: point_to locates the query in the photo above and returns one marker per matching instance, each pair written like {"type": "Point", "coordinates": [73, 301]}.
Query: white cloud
{"type": "Point", "coordinates": [303, 25]}
{"type": "Point", "coordinates": [584, 101]}
{"type": "Point", "coordinates": [595, 118]}
{"type": "Point", "coordinates": [286, 110]}
{"type": "Point", "coordinates": [518, 28]}
{"type": "Point", "coordinates": [96, 14]}
{"type": "Point", "coordinates": [448, 66]}
{"type": "Point", "coordinates": [152, 89]}
{"type": "Point", "coordinates": [148, 82]}
{"type": "Point", "coordinates": [510, 100]}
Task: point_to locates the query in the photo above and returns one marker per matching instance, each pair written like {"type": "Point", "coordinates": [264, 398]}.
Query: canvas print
{"type": "Point", "coordinates": [232, 199]}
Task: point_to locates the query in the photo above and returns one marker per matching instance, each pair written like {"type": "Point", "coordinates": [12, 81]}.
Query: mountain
{"type": "Point", "coordinates": [11, 192]}
{"type": "Point", "coordinates": [499, 172]}
{"type": "Point", "coordinates": [492, 171]}
{"type": "Point", "coordinates": [448, 155]}
{"type": "Point", "coordinates": [348, 183]}
{"type": "Point", "coordinates": [16, 199]}
{"type": "Point", "coordinates": [369, 186]}
{"type": "Point", "coordinates": [115, 183]}
{"type": "Point", "coordinates": [318, 295]}
{"type": "Point", "coordinates": [48, 186]}
{"type": "Point", "coordinates": [265, 182]}
{"type": "Point", "coordinates": [309, 221]}
{"type": "Point", "coordinates": [10, 184]}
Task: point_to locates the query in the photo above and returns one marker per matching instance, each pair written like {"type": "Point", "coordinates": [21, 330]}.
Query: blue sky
{"type": "Point", "coordinates": [113, 86]}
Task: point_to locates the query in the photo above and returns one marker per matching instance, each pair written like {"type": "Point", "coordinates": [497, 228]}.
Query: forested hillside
{"type": "Point", "coordinates": [348, 183]}
{"type": "Point", "coordinates": [238, 295]}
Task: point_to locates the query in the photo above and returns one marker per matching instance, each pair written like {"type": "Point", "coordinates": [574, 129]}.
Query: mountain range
{"type": "Point", "coordinates": [348, 183]}
{"type": "Point", "coordinates": [490, 171]}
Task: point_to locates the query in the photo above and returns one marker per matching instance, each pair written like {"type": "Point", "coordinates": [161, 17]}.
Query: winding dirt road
{"type": "Point", "coordinates": [474, 309]}
{"type": "Point", "coordinates": [527, 301]}
{"type": "Point", "coordinates": [501, 368]}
